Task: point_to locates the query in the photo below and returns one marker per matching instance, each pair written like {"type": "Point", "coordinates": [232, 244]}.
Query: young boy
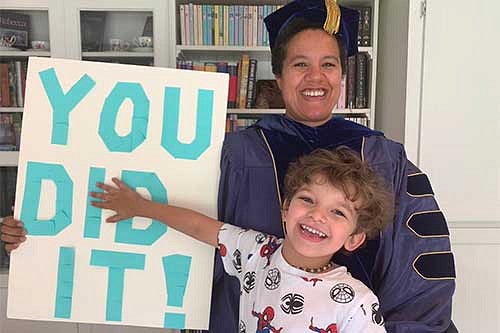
{"type": "Point", "coordinates": [333, 202]}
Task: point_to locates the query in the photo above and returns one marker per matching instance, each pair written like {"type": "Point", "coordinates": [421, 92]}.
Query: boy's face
{"type": "Point", "coordinates": [320, 220]}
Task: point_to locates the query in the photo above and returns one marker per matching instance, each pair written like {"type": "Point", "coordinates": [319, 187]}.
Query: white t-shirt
{"type": "Point", "coordinates": [276, 297]}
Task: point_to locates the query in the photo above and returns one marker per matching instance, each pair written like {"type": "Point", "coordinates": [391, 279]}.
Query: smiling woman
{"type": "Point", "coordinates": [308, 59]}
{"type": "Point", "coordinates": [310, 77]}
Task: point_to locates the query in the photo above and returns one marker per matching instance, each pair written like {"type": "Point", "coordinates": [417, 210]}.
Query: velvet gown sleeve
{"type": "Point", "coordinates": [414, 273]}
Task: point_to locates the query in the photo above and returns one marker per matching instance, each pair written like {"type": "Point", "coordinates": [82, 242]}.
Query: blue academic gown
{"type": "Point", "coordinates": [409, 267]}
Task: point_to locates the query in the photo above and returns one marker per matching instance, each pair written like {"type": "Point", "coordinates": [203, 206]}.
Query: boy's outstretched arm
{"type": "Point", "coordinates": [127, 203]}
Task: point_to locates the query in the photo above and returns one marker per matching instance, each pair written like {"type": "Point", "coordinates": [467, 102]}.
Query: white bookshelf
{"type": "Point", "coordinates": [263, 55]}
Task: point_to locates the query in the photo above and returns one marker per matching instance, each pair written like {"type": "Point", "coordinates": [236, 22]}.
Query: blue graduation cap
{"type": "Point", "coordinates": [336, 20]}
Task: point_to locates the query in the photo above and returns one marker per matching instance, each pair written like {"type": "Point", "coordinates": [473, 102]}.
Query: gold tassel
{"type": "Point", "coordinates": [332, 22]}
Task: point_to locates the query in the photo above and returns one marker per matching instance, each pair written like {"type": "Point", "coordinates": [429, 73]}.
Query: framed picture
{"type": "Point", "coordinates": [148, 27]}
{"type": "Point", "coordinates": [15, 24]}
{"type": "Point", "coordinates": [92, 30]}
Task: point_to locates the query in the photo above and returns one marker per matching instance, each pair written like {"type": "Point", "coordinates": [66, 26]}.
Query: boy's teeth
{"type": "Point", "coordinates": [313, 231]}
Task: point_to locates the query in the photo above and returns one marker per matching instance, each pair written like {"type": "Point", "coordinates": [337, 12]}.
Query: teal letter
{"type": "Point", "coordinates": [117, 263]}
{"type": "Point", "coordinates": [64, 292]}
{"type": "Point", "coordinates": [35, 172]}
{"type": "Point", "coordinates": [170, 133]}
{"type": "Point", "coordinates": [63, 104]}
{"type": "Point", "coordinates": [93, 214]}
{"type": "Point", "coordinates": [124, 231]}
{"type": "Point", "coordinates": [107, 123]}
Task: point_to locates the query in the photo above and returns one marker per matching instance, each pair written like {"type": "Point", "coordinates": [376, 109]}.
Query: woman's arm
{"type": "Point", "coordinates": [128, 203]}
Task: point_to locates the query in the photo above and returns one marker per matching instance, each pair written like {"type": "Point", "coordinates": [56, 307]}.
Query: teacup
{"type": "Point", "coordinates": [7, 41]}
{"type": "Point", "coordinates": [143, 41]}
{"type": "Point", "coordinates": [117, 44]}
{"type": "Point", "coordinates": [40, 44]}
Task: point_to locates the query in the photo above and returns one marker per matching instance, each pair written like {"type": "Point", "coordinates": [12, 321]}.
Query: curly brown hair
{"type": "Point", "coordinates": [343, 169]}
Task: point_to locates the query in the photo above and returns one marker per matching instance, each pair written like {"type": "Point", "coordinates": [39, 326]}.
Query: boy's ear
{"type": "Point", "coordinates": [354, 241]}
{"type": "Point", "coordinates": [284, 209]}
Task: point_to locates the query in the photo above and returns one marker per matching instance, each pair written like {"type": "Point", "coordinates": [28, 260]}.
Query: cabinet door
{"type": "Point", "coordinates": [460, 110]}
{"type": "Point", "coordinates": [93, 26]}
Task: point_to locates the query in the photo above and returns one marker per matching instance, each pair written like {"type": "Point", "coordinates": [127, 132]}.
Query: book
{"type": "Point", "coordinates": [92, 30]}
{"type": "Point", "coordinates": [351, 82]}
{"type": "Point", "coordinates": [232, 69]}
{"type": "Point", "coordinates": [252, 73]}
{"type": "Point", "coordinates": [243, 80]}
{"type": "Point", "coordinates": [268, 95]}
{"type": "Point", "coordinates": [361, 95]}
{"type": "Point", "coordinates": [15, 24]}
{"type": "Point", "coordinates": [364, 28]}
{"type": "Point", "coordinates": [4, 85]}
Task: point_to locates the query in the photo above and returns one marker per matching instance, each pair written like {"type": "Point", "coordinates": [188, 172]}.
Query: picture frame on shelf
{"type": "Point", "coordinates": [268, 95]}
{"type": "Point", "coordinates": [15, 24]}
{"type": "Point", "coordinates": [148, 27]}
{"type": "Point", "coordinates": [92, 30]}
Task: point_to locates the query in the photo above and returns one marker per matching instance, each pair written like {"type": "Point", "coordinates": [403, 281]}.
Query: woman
{"type": "Point", "coordinates": [411, 271]}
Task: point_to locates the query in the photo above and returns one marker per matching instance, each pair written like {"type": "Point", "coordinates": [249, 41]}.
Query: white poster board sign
{"type": "Point", "coordinates": [160, 131]}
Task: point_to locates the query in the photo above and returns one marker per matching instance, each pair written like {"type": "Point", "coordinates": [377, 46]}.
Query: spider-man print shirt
{"type": "Point", "coordinates": [276, 297]}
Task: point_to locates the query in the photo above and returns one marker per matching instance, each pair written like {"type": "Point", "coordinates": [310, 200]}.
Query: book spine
{"type": "Point", "coordinates": [361, 80]}
{"type": "Point", "coordinates": [226, 25]}
{"type": "Point", "coordinates": [231, 25]}
{"type": "Point", "coordinates": [4, 84]}
{"type": "Point", "coordinates": [200, 25]}
{"type": "Point", "coordinates": [233, 85]}
{"type": "Point", "coordinates": [365, 18]}
{"type": "Point", "coordinates": [351, 82]}
{"type": "Point", "coordinates": [342, 96]}
{"type": "Point", "coordinates": [12, 84]}
{"type": "Point", "coordinates": [182, 24]}
{"type": "Point", "coordinates": [243, 84]}
{"type": "Point", "coordinates": [252, 70]}
{"type": "Point", "coordinates": [19, 85]}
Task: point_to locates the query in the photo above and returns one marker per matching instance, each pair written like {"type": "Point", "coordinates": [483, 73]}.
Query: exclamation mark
{"type": "Point", "coordinates": [176, 268]}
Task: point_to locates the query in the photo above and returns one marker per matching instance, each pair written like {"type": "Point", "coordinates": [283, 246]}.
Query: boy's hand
{"type": "Point", "coordinates": [122, 199]}
{"type": "Point", "coordinates": [13, 233]}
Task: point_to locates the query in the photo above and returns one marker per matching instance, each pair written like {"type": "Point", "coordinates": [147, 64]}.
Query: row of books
{"type": "Point", "coordinates": [240, 25]}
{"type": "Point", "coordinates": [10, 131]}
{"type": "Point", "coordinates": [8, 177]}
{"type": "Point", "coordinates": [242, 78]}
{"type": "Point", "coordinates": [354, 92]}
{"type": "Point", "coordinates": [12, 83]}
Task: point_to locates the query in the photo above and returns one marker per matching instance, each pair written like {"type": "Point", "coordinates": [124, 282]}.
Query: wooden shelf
{"type": "Point", "coordinates": [5, 109]}
{"type": "Point", "coordinates": [9, 158]}
{"type": "Point", "coordinates": [112, 54]}
{"type": "Point", "coordinates": [24, 53]}
{"type": "Point", "coordinates": [353, 112]}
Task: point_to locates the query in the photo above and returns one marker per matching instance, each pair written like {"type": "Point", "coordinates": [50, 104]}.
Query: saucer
{"type": "Point", "coordinates": [38, 50]}
{"type": "Point", "coordinates": [141, 49]}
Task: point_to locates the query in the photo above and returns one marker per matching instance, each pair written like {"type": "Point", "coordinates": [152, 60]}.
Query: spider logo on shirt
{"type": "Point", "coordinates": [249, 281]}
{"type": "Point", "coordinates": [237, 260]}
{"type": "Point", "coordinates": [292, 303]}
{"type": "Point", "coordinates": [377, 317]}
{"type": "Point", "coordinates": [273, 279]}
{"type": "Point", "coordinates": [342, 293]}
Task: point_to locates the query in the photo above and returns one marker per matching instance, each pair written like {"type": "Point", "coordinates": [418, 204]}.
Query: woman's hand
{"type": "Point", "coordinates": [121, 199]}
{"type": "Point", "coordinates": [13, 233]}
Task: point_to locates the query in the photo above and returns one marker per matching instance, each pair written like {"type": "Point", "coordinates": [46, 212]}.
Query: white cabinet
{"type": "Point", "coordinates": [437, 92]}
